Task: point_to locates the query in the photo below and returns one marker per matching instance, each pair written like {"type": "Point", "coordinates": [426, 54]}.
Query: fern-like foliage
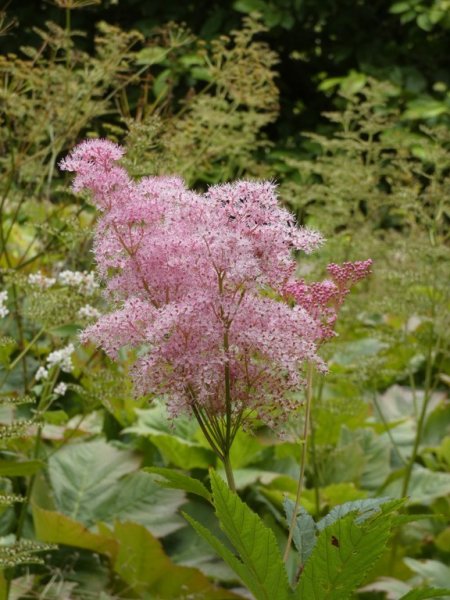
{"type": "Point", "coordinates": [213, 136]}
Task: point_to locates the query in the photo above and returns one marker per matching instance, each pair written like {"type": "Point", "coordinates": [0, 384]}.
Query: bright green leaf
{"type": "Point", "coordinates": [255, 543]}
{"type": "Point", "coordinates": [175, 479]}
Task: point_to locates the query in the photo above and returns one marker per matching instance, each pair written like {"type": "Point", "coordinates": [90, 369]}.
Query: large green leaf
{"type": "Point", "coordinates": [56, 528]}
{"type": "Point", "coordinates": [304, 534]}
{"type": "Point", "coordinates": [255, 543]}
{"type": "Point", "coordinates": [95, 482]}
{"type": "Point", "coordinates": [178, 444]}
{"type": "Point", "coordinates": [433, 572]}
{"type": "Point", "coordinates": [142, 563]}
{"type": "Point", "coordinates": [82, 475]}
{"type": "Point", "coordinates": [344, 553]}
{"type": "Point", "coordinates": [424, 485]}
{"type": "Point", "coordinates": [139, 498]}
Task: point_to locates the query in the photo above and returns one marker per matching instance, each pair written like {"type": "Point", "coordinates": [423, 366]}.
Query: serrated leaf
{"type": "Point", "coordinates": [255, 543]}
{"type": "Point", "coordinates": [364, 509]}
{"type": "Point", "coordinates": [180, 481]}
{"type": "Point", "coordinates": [232, 561]}
{"type": "Point", "coordinates": [344, 553]}
{"type": "Point", "coordinates": [304, 534]}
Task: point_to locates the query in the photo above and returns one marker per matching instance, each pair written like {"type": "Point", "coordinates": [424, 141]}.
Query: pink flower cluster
{"type": "Point", "coordinates": [322, 300]}
{"type": "Point", "coordinates": [199, 281]}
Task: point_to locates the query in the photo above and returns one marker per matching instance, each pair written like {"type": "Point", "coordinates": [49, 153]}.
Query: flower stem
{"type": "Point", "coordinates": [229, 472]}
{"type": "Point", "coordinates": [304, 440]}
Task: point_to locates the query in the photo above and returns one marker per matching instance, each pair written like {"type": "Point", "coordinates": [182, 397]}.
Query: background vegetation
{"type": "Point", "coordinates": [346, 105]}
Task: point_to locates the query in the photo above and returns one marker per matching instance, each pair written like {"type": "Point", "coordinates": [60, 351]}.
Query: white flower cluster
{"type": "Point", "coordinates": [3, 309]}
{"type": "Point", "coordinates": [88, 312]}
{"type": "Point", "coordinates": [83, 280]}
{"type": "Point", "coordinates": [41, 373]}
{"type": "Point", "coordinates": [60, 358]}
{"type": "Point", "coordinates": [41, 280]}
{"type": "Point", "coordinates": [60, 389]}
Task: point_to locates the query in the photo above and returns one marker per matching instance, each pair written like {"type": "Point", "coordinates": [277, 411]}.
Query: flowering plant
{"type": "Point", "coordinates": [204, 288]}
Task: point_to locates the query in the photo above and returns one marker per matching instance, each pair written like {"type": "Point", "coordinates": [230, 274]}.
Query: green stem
{"type": "Point", "coordinates": [229, 473]}
{"type": "Point", "coordinates": [26, 502]}
{"type": "Point", "coordinates": [420, 423]}
{"type": "Point", "coordinates": [26, 349]}
{"type": "Point", "coordinates": [309, 377]}
{"type": "Point", "coordinates": [386, 427]}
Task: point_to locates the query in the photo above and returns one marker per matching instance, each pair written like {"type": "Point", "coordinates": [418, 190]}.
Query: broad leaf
{"type": "Point", "coordinates": [255, 543]}
{"type": "Point", "coordinates": [143, 565]}
{"type": "Point", "coordinates": [177, 444]}
{"type": "Point", "coordinates": [82, 475]}
{"type": "Point", "coordinates": [433, 572]}
{"type": "Point", "coordinates": [139, 498]}
{"type": "Point", "coordinates": [424, 486]}
{"type": "Point", "coordinates": [55, 528]}
{"type": "Point", "coordinates": [344, 553]}
{"type": "Point", "coordinates": [92, 482]}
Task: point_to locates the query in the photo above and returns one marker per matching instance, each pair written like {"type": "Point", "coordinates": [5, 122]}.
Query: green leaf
{"type": "Point", "coordinates": [139, 498]}
{"type": "Point", "coordinates": [144, 566]}
{"type": "Point", "coordinates": [7, 345]}
{"type": "Point", "coordinates": [56, 528]}
{"type": "Point", "coordinates": [177, 444]}
{"type": "Point", "coordinates": [424, 594]}
{"type": "Point", "coordinates": [232, 561]}
{"type": "Point", "coordinates": [362, 508]}
{"type": "Point", "coordinates": [424, 486]}
{"type": "Point", "coordinates": [151, 56]}
{"type": "Point", "coordinates": [255, 543]}
{"type": "Point", "coordinates": [92, 482]}
{"type": "Point", "coordinates": [344, 553]}
{"type": "Point", "coordinates": [179, 481]}
{"type": "Point", "coordinates": [182, 453]}
{"type": "Point", "coordinates": [246, 449]}
{"type": "Point", "coordinates": [433, 572]}
{"type": "Point", "coordinates": [9, 468]}
{"type": "Point", "coordinates": [399, 7]}
{"type": "Point", "coordinates": [69, 330]}
{"type": "Point", "coordinates": [304, 534]}
{"type": "Point", "coordinates": [82, 476]}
